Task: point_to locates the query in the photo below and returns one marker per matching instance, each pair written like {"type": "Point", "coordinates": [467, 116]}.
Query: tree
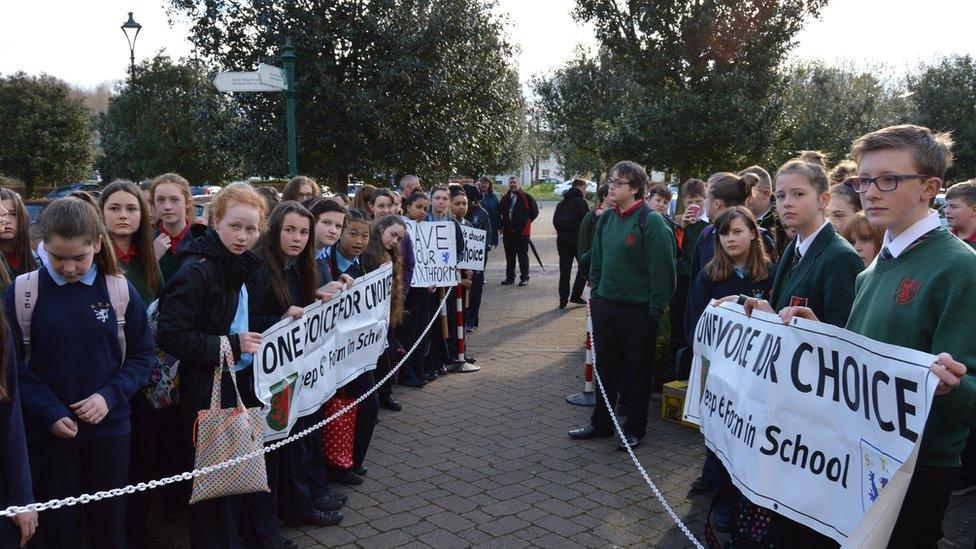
{"type": "Point", "coordinates": [945, 96]}
{"type": "Point", "coordinates": [47, 135]}
{"type": "Point", "coordinates": [825, 108]}
{"type": "Point", "coordinates": [702, 76]}
{"type": "Point", "coordinates": [383, 86]}
{"type": "Point", "coordinates": [581, 110]}
{"type": "Point", "coordinates": [170, 118]}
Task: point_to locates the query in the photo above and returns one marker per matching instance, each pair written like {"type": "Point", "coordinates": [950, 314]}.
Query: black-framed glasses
{"type": "Point", "coordinates": [884, 183]}
{"type": "Point", "coordinates": [617, 182]}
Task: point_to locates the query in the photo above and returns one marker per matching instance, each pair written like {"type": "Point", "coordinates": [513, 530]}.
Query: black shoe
{"type": "Point", "coordinates": [470, 359]}
{"type": "Point", "coordinates": [327, 504]}
{"type": "Point", "coordinates": [320, 519]}
{"type": "Point", "coordinates": [632, 442]}
{"type": "Point", "coordinates": [415, 383]}
{"type": "Point", "coordinates": [145, 540]}
{"type": "Point", "coordinates": [523, 282]}
{"type": "Point", "coordinates": [346, 476]}
{"type": "Point", "coordinates": [562, 303]}
{"type": "Point", "coordinates": [587, 432]}
{"type": "Point", "coordinates": [430, 376]}
{"type": "Point", "coordinates": [507, 282]}
{"type": "Point", "coordinates": [577, 300]}
{"type": "Point", "coordinates": [390, 403]}
{"type": "Point", "coordinates": [441, 369]}
{"type": "Point", "coordinates": [335, 494]}
{"type": "Point", "coordinates": [361, 471]}
{"type": "Point", "coordinates": [276, 541]}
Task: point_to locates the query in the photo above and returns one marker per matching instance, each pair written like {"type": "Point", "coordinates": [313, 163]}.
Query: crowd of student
{"type": "Point", "coordinates": [127, 285]}
{"type": "Point", "coordinates": [857, 246]}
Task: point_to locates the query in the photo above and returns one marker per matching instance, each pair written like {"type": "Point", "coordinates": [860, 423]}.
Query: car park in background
{"type": "Point", "coordinates": [35, 207]}
{"type": "Point", "coordinates": [204, 190]}
{"type": "Point", "coordinates": [93, 189]}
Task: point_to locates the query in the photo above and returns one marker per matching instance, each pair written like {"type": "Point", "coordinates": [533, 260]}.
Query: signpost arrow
{"type": "Point", "coordinates": [273, 76]}
{"type": "Point", "coordinates": [243, 82]}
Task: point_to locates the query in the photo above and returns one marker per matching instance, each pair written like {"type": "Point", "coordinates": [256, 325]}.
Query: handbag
{"type": "Point", "coordinates": [222, 434]}
{"type": "Point", "coordinates": [339, 434]}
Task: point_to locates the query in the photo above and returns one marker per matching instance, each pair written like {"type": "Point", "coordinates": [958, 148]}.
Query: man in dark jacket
{"type": "Point", "coordinates": [567, 219]}
{"type": "Point", "coordinates": [517, 211]}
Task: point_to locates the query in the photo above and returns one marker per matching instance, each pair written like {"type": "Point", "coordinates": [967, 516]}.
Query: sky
{"type": "Point", "coordinates": [80, 41]}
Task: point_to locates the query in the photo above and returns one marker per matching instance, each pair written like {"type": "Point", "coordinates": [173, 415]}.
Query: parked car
{"type": "Point", "coordinates": [204, 190]}
{"type": "Point", "coordinates": [565, 185]}
{"type": "Point", "coordinates": [201, 209]}
{"type": "Point", "coordinates": [552, 180]}
{"type": "Point", "coordinates": [35, 207]}
{"type": "Point", "coordinates": [64, 190]}
{"type": "Point", "coordinates": [940, 206]}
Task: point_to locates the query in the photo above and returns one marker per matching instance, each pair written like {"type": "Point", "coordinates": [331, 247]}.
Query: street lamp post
{"type": "Point", "coordinates": [131, 30]}
{"type": "Point", "coordinates": [288, 60]}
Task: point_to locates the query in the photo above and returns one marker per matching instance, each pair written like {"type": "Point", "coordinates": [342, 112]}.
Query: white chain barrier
{"type": "Point", "coordinates": [620, 433]}
{"type": "Point", "coordinates": [152, 484]}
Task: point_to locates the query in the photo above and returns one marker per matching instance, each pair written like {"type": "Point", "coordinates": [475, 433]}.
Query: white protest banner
{"type": "Point", "coordinates": [473, 256]}
{"type": "Point", "coordinates": [435, 253]}
{"type": "Point", "coordinates": [810, 420]}
{"type": "Point", "coordinates": [301, 363]}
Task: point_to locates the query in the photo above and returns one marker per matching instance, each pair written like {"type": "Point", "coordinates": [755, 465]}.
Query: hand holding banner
{"type": "Point", "coordinates": [301, 363]}
{"type": "Point", "coordinates": [473, 256]}
{"type": "Point", "coordinates": [811, 421]}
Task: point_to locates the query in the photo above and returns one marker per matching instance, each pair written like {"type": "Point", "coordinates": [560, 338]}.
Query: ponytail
{"type": "Point", "coordinates": [732, 189]}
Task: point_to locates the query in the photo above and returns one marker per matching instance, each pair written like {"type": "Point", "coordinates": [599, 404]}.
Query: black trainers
{"type": "Point", "coordinates": [507, 282]}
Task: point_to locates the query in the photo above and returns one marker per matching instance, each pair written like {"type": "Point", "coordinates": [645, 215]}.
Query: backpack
{"type": "Point", "coordinates": [25, 293]}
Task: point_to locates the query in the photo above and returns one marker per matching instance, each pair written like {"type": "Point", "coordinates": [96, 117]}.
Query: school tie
{"type": "Point", "coordinates": [885, 254]}
{"type": "Point", "coordinates": [796, 259]}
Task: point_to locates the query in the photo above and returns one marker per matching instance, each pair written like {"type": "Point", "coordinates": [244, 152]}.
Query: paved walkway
{"type": "Point", "coordinates": [483, 460]}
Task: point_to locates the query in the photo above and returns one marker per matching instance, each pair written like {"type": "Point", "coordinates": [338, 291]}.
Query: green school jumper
{"type": "Point", "coordinates": [630, 265]}
{"type": "Point", "coordinates": [923, 300]}
{"type": "Point", "coordinates": [822, 281]}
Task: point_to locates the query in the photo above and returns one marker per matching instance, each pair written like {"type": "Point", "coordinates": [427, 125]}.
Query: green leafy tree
{"type": "Point", "coordinates": [827, 107]}
{"type": "Point", "coordinates": [383, 86]}
{"type": "Point", "coordinates": [702, 78]}
{"type": "Point", "coordinates": [170, 118]}
{"type": "Point", "coordinates": [47, 133]}
{"type": "Point", "coordinates": [945, 95]}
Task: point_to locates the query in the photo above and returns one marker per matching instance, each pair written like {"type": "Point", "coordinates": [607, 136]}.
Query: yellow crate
{"type": "Point", "coordinates": [673, 403]}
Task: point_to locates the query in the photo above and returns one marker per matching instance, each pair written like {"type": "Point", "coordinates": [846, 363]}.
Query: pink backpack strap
{"type": "Point", "coordinates": [25, 297]}
{"type": "Point", "coordinates": [118, 294]}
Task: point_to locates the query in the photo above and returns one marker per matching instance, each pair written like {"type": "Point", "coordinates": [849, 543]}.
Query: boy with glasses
{"type": "Point", "coordinates": [918, 294]}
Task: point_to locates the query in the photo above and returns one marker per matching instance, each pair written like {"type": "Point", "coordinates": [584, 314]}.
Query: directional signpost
{"type": "Point", "coordinates": [269, 78]}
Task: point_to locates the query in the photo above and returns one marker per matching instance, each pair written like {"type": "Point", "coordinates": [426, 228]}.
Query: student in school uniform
{"type": "Point", "coordinates": [588, 227]}
{"type": "Point", "coordinates": [864, 237]}
{"type": "Point", "coordinates": [761, 203]}
{"type": "Point", "coordinates": [688, 228]}
{"type": "Point", "coordinates": [15, 237]}
{"type": "Point", "coordinates": [204, 300]}
{"type": "Point", "coordinates": [173, 203]}
{"type": "Point", "coordinates": [819, 266]}
{"type": "Point", "coordinates": [844, 204]}
{"type": "Point", "coordinates": [156, 451]}
{"type": "Point", "coordinates": [916, 294]}
{"type": "Point", "coordinates": [384, 246]}
{"type": "Point", "coordinates": [77, 412]}
{"type": "Point", "coordinates": [344, 259]}
{"type": "Point", "coordinates": [284, 284]}
{"type": "Point", "coordinates": [479, 219]}
{"type": "Point", "coordinates": [413, 374]}
{"type": "Point", "coordinates": [632, 273]}
{"type": "Point", "coordinates": [961, 211]}
{"type": "Point", "coordinates": [15, 475]}
{"type": "Point", "coordinates": [440, 359]}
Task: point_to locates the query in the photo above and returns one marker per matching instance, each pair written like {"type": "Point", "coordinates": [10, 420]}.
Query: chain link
{"type": "Point", "coordinates": [187, 475]}
{"type": "Point", "coordinates": [620, 433]}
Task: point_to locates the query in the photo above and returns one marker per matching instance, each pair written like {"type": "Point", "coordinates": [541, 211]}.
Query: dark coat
{"type": "Point", "coordinates": [824, 277]}
{"type": "Point", "coordinates": [569, 214]}
{"type": "Point", "coordinates": [524, 212]}
{"type": "Point", "coordinates": [196, 307]}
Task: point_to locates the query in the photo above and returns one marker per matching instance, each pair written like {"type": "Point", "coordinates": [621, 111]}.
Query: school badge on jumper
{"type": "Point", "coordinates": [630, 239]}
{"type": "Point", "coordinates": [101, 311]}
{"type": "Point", "coordinates": [877, 468]}
{"type": "Point", "coordinates": [907, 290]}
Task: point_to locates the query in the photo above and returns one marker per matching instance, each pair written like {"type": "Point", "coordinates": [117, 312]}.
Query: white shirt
{"type": "Point", "coordinates": [897, 246]}
{"type": "Point", "coordinates": [803, 244]}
